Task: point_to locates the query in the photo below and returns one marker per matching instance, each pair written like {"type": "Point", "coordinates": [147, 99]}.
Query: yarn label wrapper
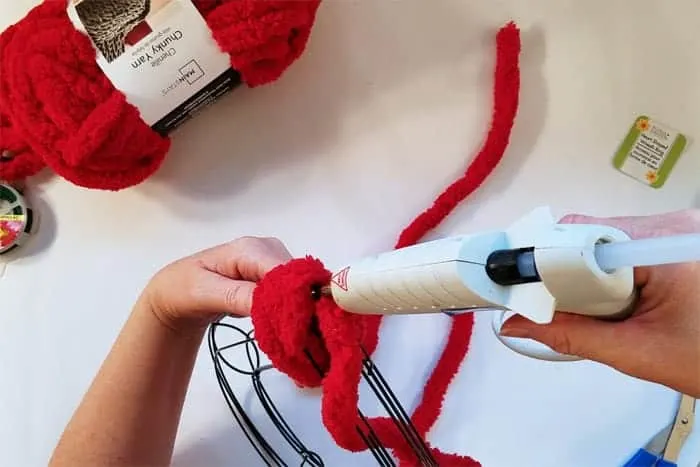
{"type": "Point", "coordinates": [159, 53]}
{"type": "Point", "coordinates": [649, 151]}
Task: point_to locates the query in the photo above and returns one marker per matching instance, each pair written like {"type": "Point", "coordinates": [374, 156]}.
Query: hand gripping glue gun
{"type": "Point", "coordinates": [534, 268]}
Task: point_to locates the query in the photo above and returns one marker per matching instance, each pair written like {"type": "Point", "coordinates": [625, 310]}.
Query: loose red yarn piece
{"type": "Point", "coordinates": [289, 322]}
{"type": "Point", "coordinates": [57, 108]}
{"type": "Point", "coordinates": [506, 92]}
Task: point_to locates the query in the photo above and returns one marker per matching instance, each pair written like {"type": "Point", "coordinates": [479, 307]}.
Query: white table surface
{"type": "Point", "coordinates": [386, 107]}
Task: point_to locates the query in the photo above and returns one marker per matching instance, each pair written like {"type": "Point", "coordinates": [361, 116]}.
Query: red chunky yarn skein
{"type": "Point", "coordinates": [290, 322]}
{"type": "Point", "coordinates": [57, 108]}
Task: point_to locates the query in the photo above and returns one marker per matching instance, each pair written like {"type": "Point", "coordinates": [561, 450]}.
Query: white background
{"type": "Point", "coordinates": [387, 106]}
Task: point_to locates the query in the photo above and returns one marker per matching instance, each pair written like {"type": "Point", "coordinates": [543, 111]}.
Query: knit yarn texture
{"type": "Point", "coordinates": [108, 22]}
{"type": "Point", "coordinates": [58, 109]}
{"type": "Point", "coordinates": [294, 326]}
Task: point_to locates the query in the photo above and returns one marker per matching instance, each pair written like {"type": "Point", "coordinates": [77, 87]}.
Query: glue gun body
{"type": "Point", "coordinates": [534, 268]}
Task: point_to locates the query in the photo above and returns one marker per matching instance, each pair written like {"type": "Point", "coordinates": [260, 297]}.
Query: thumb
{"type": "Point", "coordinates": [606, 342]}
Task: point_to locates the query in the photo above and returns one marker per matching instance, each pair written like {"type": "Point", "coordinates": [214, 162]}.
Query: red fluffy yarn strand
{"type": "Point", "coordinates": [290, 325]}
{"type": "Point", "coordinates": [506, 93]}
{"type": "Point", "coordinates": [57, 108]}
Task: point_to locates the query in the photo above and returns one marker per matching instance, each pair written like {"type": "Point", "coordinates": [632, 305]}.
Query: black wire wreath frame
{"type": "Point", "coordinates": [255, 371]}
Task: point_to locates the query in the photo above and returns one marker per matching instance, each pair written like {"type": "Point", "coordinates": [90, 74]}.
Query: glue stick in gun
{"type": "Point", "coordinates": [533, 268]}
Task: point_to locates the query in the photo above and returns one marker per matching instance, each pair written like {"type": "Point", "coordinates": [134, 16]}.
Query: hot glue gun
{"type": "Point", "coordinates": [534, 268]}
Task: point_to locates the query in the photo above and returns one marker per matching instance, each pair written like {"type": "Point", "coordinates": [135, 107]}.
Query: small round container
{"type": "Point", "coordinates": [16, 219]}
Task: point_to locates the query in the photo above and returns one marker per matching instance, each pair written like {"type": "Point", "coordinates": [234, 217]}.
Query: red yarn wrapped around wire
{"type": "Point", "coordinates": [58, 109]}
{"type": "Point", "coordinates": [292, 323]}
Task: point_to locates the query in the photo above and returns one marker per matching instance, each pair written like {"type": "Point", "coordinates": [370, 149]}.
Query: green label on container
{"type": "Point", "coordinates": [650, 151]}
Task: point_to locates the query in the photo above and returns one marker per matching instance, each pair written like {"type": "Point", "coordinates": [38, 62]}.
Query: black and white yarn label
{"type": "Point", "coordinates": [159, 53]}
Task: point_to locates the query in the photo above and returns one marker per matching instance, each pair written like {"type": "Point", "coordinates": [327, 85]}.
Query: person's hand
{"type": "Point", "coordinates": [661, 341]}
{"type": "Point", "coordinates": [194, 291]}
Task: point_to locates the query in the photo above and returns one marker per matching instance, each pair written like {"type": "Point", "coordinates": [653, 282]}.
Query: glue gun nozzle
{"type": "Point", "coordinates": [319, 291]}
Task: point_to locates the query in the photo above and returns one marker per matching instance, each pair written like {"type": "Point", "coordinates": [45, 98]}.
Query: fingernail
{"type": "Point", "coordinates": [571, 219]}
{"type": "Point", "coordinates": [511, 331]}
